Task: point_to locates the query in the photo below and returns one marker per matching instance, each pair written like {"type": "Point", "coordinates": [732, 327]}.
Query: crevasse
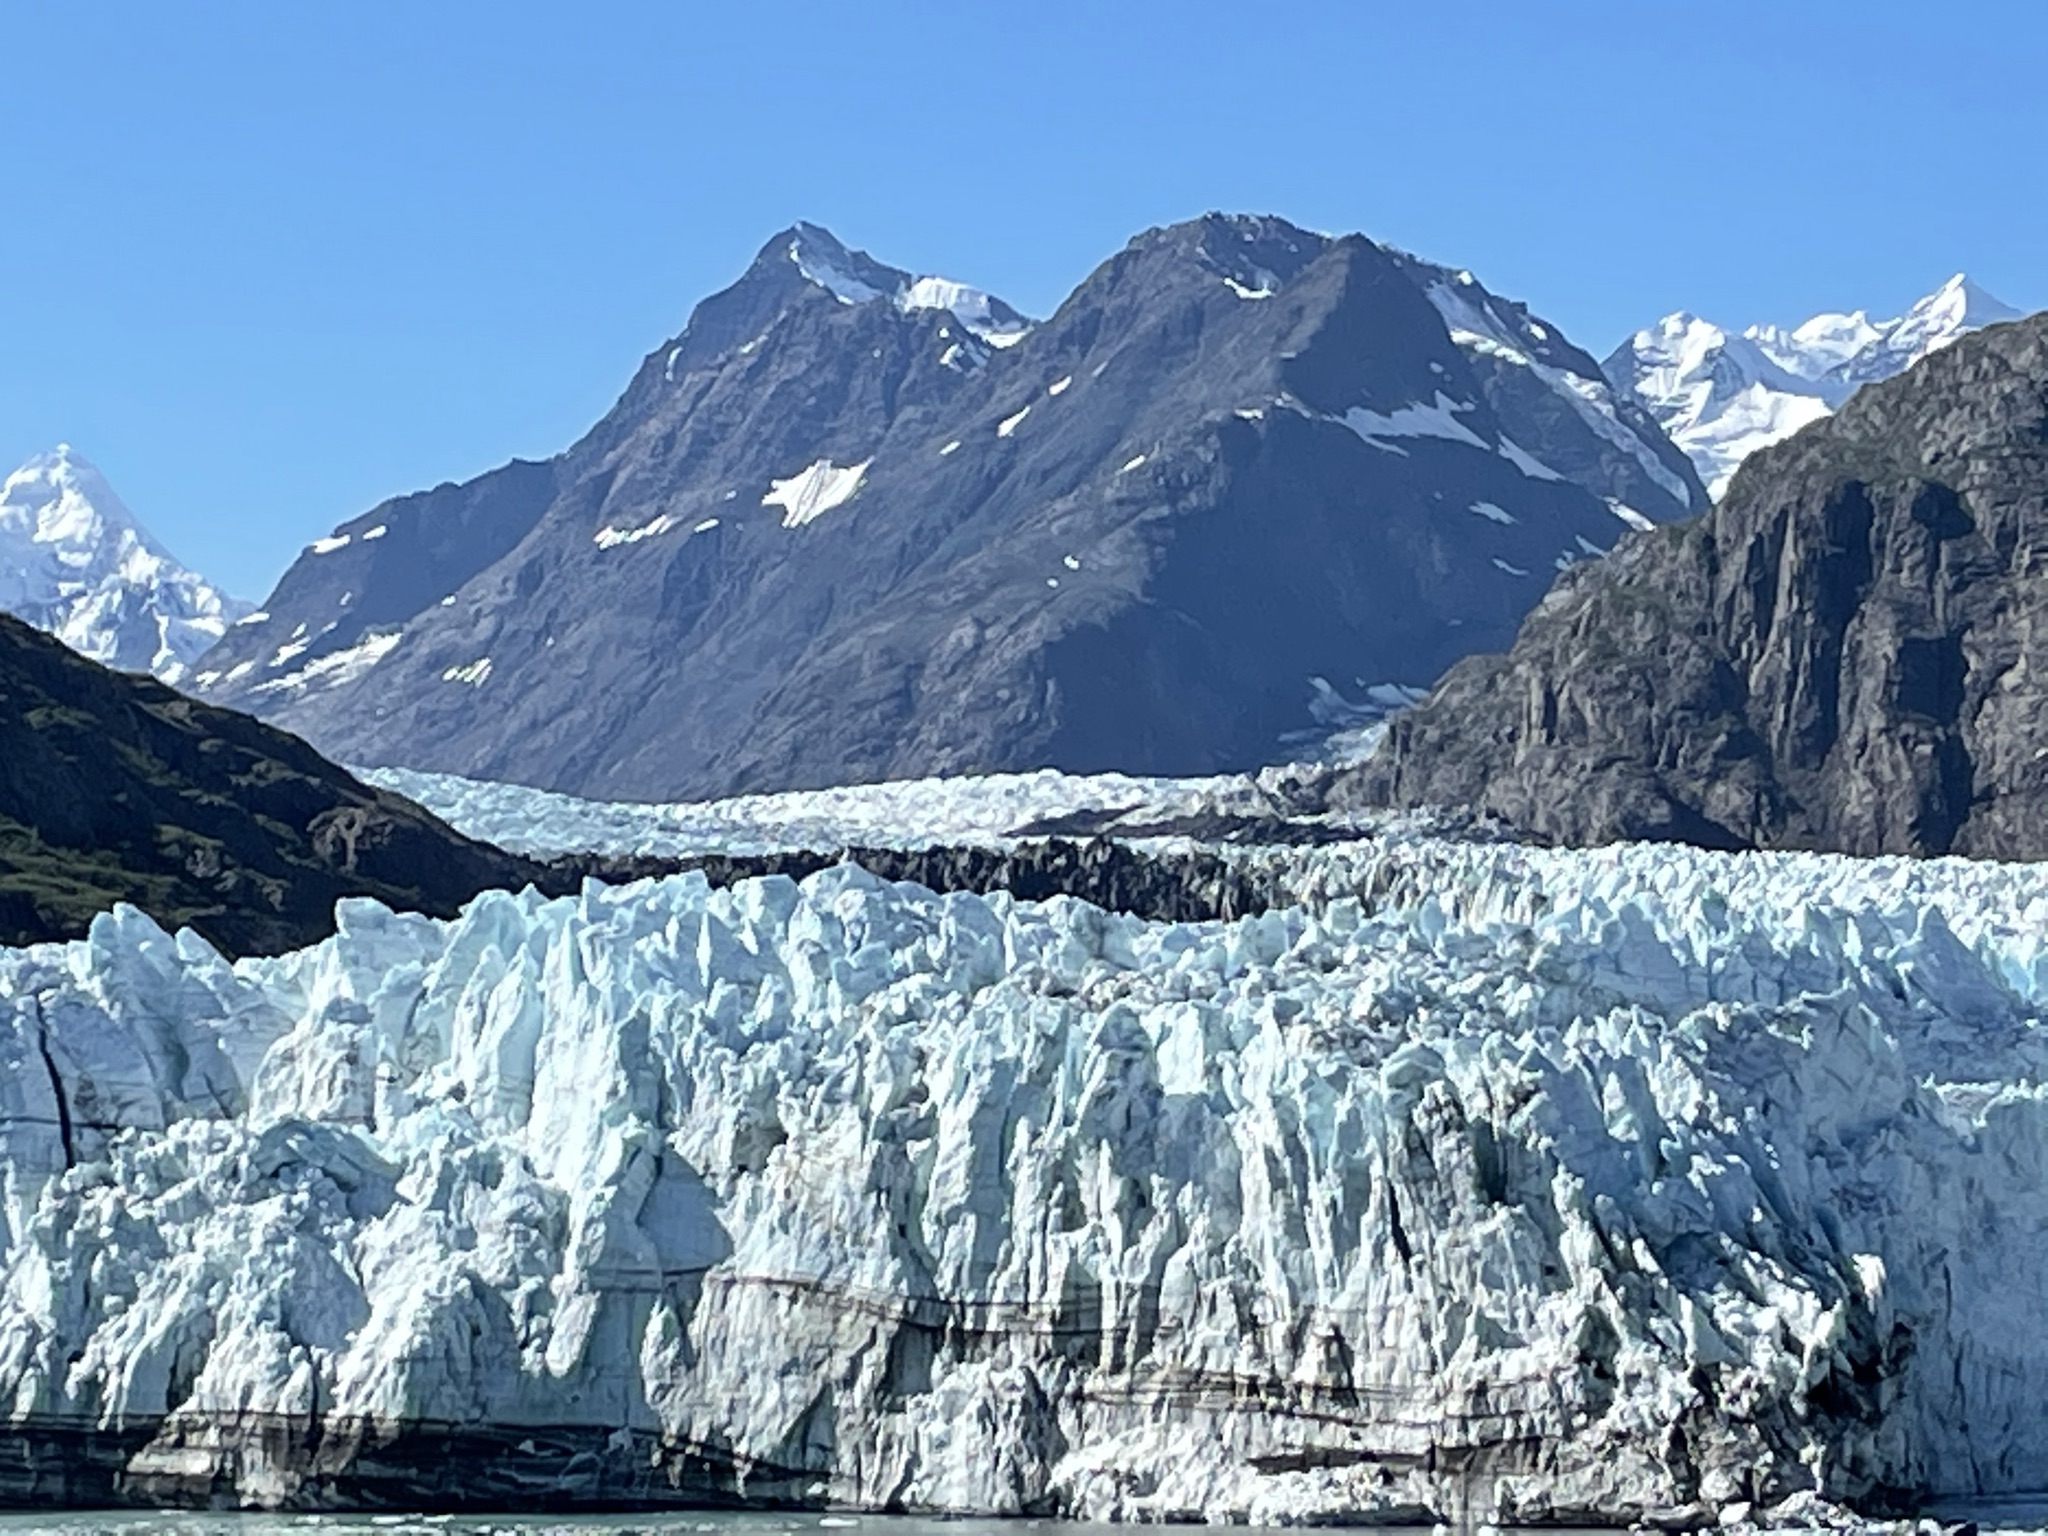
{"type": "Point", "coordinates": [1486, 1182]}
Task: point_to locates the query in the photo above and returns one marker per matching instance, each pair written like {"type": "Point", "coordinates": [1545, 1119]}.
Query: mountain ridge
{"type": "Point", "coordinates": [827, 535]}
{"type": "Point", "coordinates": [115, 788]}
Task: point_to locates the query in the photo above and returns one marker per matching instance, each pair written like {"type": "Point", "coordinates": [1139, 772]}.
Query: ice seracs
{"type": "Point", "coordinates": [74, 561]}
{"type": "Point", "coordinates": [1483, 1184]}
{"type": "Point", "coordinates": [1722, 395]}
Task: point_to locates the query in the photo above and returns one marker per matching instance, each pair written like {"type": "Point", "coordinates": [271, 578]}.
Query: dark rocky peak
{"type": "Point", "coordinates": [1255, 254]}
{"type": "Point", "coordinates": [854, 524]}
{"type": "Point", "coordinates": [807, 271]}
{"type": "Point", "coordinates": [1844, 654]}
{"type": "Point", "coordinates": [823, 260]}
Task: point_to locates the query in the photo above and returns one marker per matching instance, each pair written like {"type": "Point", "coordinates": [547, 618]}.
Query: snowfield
{"type": "Point", "coordinates": [1486, 1183]}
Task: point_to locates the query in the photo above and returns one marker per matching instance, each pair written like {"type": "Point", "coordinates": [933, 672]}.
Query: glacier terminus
{"type": "Point", "coordinates": [1480, 1182]}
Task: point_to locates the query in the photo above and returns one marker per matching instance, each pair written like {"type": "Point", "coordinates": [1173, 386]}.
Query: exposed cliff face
{"type": "Point", "coordinates": [114, 788]}
{"type": "Point", "coordinates": [1489, 1182]}
{"type": "Point", "coordinates": [1849, 652]}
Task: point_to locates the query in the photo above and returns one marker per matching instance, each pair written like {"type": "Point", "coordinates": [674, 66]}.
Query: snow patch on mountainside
{"type": "Point", "coordinates": [75, 562]}
{"type": "Point", "coordinates": [1476, 327]}
{"type": "Point", "coordinates": [853, 277]}
{"type": "Point", "coordinates": [1488, 1183]}
{"type": "Point", "coordinates": [1722, 395]}
{"type": "Point", "coordinates": [1439, 418]}
{"type": "Point", "coordinates": [815, 490]}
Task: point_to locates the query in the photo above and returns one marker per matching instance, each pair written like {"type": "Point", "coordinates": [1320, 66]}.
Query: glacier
{"type": "Point", "coordinates": [1482, 1183]}
{"type": "Point", "coordinates": [991, 810]}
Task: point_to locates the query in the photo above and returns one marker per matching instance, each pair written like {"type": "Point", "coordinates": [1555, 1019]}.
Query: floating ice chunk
{"type": "Point", "coordinates": [1131, 464]}
{"type": "Point", "coordinates": [1071, 563]}
{"type": "Point", "coordinates": [1009, 424]}
{"type": "Point", "coordinates": [1492, 513]}
{"type": "Point", "coordinates": [705, 526]}
{"type": "Point", "coordinates": [952, 447]}
{"type": "Point", "coordinates": [1059, 386]}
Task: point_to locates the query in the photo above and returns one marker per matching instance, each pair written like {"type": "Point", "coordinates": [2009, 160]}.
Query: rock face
{"type": "Point", "coordinates": [75, 562]}
{"type": "Point", "coordinates": [115, 788]}
{"type": "Point", "coordinates": [1723, 395]}
{"type": "Point", "coordinates": [1487, 1183]}
{"type": "Point", "coordinates": [853, 525]}
{"type": "Point", "coordinates": [1847, 653]}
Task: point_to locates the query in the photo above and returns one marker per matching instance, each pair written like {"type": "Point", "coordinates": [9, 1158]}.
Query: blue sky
{"type": "Point", "coordinates": [267, 264]}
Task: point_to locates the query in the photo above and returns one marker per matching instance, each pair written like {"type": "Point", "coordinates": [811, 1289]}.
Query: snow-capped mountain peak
{"type": "Point", "coordinates": [74, 561]}
{"type": "Point", "coordinates": [1723, 394]}
{"type": "Point", "coordinates": [854, 277]}
{"type": "Point", "coordinates": [1956, 308]}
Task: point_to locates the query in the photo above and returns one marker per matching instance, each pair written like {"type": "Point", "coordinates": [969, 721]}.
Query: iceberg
{"type": "Point", "coordinates": [1482, 1183]}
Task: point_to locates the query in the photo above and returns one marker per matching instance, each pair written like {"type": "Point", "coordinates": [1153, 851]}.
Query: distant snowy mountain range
{"type": "Point", "coordinates": [1722, 395]}
{"type": "Point", "coordinates": [74, 561]}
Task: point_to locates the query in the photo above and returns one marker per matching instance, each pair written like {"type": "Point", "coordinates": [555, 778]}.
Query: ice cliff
{"type": "Point", "coordinates": [1485, 1182]}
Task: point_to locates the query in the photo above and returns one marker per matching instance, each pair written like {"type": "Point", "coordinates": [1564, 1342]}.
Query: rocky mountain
{"type": "Point", "coordinates": [1248, 485]}
{"type": "Point", "coordinates": [1722, 395]}
{"type": "Point", "coordinates": [74, 561]}
{"type": "Point", "coordinates": [114, 788]}
{"type": "Point", "coordinates": [1849, 652]}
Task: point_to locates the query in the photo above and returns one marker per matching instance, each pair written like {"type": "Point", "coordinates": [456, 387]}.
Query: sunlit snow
{"type": "Point", "coordinates": [612, 538]}
{"type": "Point", "coordinates": [1439, 419]}
{"type": "Point", "coordinates": [814, 491]}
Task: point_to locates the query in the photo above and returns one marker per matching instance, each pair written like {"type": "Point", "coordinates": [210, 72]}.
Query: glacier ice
{"type": "Point", "coordinates": [986, 810]}
{"type": "Point", "coordinates": [1486, 1182]}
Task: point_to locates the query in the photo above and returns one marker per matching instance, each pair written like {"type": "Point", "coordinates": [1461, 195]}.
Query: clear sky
{"type": "Point", "coordinates": [269, 263]}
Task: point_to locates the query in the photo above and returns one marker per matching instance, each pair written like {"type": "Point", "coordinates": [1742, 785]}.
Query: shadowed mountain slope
{"type": "Point", "coordinates": [853, 524]}
{"type": "Point", "coordinates": [1850, 652]}
{"type": "Point", "coordinates": [115, 788]}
